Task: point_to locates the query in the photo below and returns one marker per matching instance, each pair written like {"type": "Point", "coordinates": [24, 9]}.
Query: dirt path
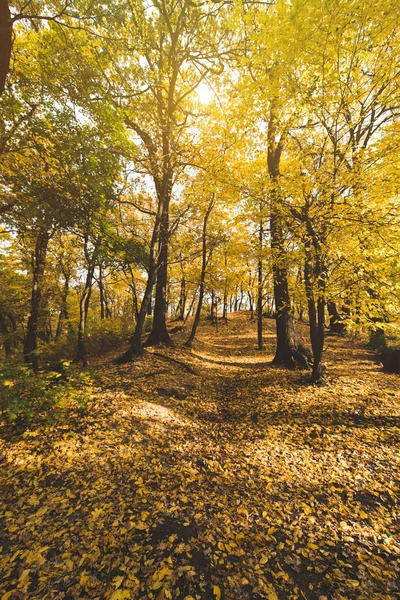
{"type": "Point", "coordinates": [239, 482]}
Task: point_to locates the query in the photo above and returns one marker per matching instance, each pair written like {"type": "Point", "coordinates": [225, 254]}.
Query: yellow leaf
{"type": "Point", "coordinates": [120, 595]}
{"type": "Point", "coordinates": [263, 559]}
{"type": "Point", "coordinates": [24, 575]}
{"type": "Point", "coordinates": [217, 592]}
{"type": "Point", "coordinates": [7, 595]}
{"type": "Point", "coordinates": [271, 594]}
{"type": "Point", "coordinates": [69, 564]}
{"type": "Point", "coordinates": [271, 530]}
{"type": "Point", "coordinates": [118, 581]}
{"type": "Point", "coordinates": [162, 573]}
{"type": "Point", "coordinates": [312, 546]}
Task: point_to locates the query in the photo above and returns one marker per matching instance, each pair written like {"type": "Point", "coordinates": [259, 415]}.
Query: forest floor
{"type": "Point", "coordinates": [239, 482]}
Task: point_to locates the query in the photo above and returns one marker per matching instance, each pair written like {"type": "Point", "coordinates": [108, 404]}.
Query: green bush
{"type": "Point", "coordinates": [28, 397]}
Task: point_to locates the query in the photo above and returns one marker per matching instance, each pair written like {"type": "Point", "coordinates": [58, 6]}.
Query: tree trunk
{"type": "Point", "coordinates": [81, 354]}
{"type": "Point", "coordinates": [101, 291]}
{"type": "Point", "coordinates": [288, 348]}
{"type": "Point", "coordinates": [204, 262]}
{"type": "Point", "coordinates": [134, 295]}
{"type": "Point", "coordinates": [7, 320]}
{"type": "Point", "coordinates": [136, 346]}
{"type": "Point", "coordinates": [260, 289]}
{"type": "Point", "coordinates": [314, 280]}
{"type": "Point", "coordinates": [159, 333]}
{"type": "Point", "coordinates": [63, 316]}
{"type": "Point", "coordinates": [336, 324]}
{"type": "Point", "coordinates": [182, 300]}
{"type": "Point", "coordinates": [5, 42]}
{"type": "Point", "coordinates": [38, 267]}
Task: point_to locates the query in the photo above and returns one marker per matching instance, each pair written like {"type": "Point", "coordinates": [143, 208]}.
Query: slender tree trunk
{"type": "Point", "coordinates": [136, 346]}
{"type": "Point", "coordinates": [225, 298]}
{"type": "Point", "coordinates": [5, 42]}
{"type": "Point", "coordinates": [260, 288]}
{"type": "Point", "coordinates": [314, 280]}
{"type": "Point", "coordinates": [83, 313]}
{"type": "Point", "coordinates": [134, 295]}
{"type": "Point", "coordinates": [101, 291]}
{"type": "Point", "coordinates": [191, 306]}
{"type": "Point", "coordinates": [182, 300]}
{"type": "Point", "coordinates": [81, 354]}
{"type": "Point", "coordinates": [251, 304]}
{"type": "Point", "coordinates": [7, 320]}
{"type": "Point", "coordinates": [38, 267]}
{"type": "Point", "coordinates": [204, 262]}
{"type": "Point", "coordinates": [63, 316]}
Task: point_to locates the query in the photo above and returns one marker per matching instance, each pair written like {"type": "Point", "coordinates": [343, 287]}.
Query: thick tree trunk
{"type": "Point", "coordinates": [159, 332]}
{"type": "Point", "coordinates": [289, 349]}
{"type": "Point", "coordinates": [5, 42]}
{"type": "Point", "coordinates": [38, 267]}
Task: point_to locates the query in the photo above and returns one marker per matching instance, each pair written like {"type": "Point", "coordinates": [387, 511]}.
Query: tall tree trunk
{"type": "Point", "coordinates": [204, 262]}
{"type": "Point", "coordinates": [5, 42]}
{"type": "Point", "coordinates": [63, 316]}
{"type": "Point", "coordinates": [191, 306]}
{"type": "Point", "coordinates": [260, 288]}
{"type": "Point", "coordinates": [38, 267]}
{"type": "Point", "coordinates": [81, 354]}
{"type": "Point", "coordinates": [136, 345]}
{"type": "Point", "coordinates": [182, 300]}
{"type": "Point", "coordinates": [134, 295]}
{"type": "Point", "coordinates": [288, 347]}
{"type": "Point", "coordinates": [101, 292]}
{"type": "Point", "coordinates": [7, 321]}
{"type": "Point", "coordinates": [314, 280]}
{"type": "Point", "coordinates": [225, 298]}
{"type": "Point", "coordinates": [159, 333]}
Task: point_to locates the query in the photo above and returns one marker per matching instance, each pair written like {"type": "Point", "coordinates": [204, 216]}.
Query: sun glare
{"type": "Point", "coordinates": [204, 93]}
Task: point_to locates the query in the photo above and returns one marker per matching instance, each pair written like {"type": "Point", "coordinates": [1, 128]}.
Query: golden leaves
{"type": "Point", "coordinates": [212, 503]}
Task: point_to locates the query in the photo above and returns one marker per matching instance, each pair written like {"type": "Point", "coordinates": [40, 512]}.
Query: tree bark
{"type": "Point", "coordinates": [159, 333]}
{"type": "Point", "coordinates": [38, 268]}
{"type": "Point", "coordinates": [136, 346]}
{"type": "Point", "coordinates": [204, 262]}
{"type": "Point", "coordinates": [63, 316]}
{"type": "Point", "coordinates": [81, 354]}
{"type": "Point", "coordinates": [289, 348]}
{"type": "Point", "coordinates": [5, 42]}
{"type": "Point", "coordinates": [260, 288]}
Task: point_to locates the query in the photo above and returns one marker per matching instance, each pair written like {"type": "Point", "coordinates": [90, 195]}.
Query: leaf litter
{"type": "Point", "coordinates": [247, 484]}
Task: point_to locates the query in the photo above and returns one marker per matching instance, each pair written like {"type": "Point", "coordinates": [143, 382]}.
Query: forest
{"type": "Point", "coordinates": [199, 299]}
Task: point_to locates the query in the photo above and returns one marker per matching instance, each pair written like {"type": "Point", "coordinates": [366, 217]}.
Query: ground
{"type": "Point", "coordinates": [238, 482]}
